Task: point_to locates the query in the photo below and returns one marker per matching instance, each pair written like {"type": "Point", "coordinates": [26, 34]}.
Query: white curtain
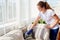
{"type": "Point", "coordinates": [33, 7]}
{"type": "Point", "coordinates": [7, 12]}
{"type": "Point", "coordinates": [24, 11]}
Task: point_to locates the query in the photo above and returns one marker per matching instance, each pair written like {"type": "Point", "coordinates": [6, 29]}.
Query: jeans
{"type": "Point", "coordinates": [53, 34]}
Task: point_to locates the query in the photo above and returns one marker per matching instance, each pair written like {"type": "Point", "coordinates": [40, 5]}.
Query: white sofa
{"type": "Point", "coordinates": [13, 35]}
{"type": "Point", "coordinates": [18, 34]}
{"type": "Point", "coordinates": [6, 38]}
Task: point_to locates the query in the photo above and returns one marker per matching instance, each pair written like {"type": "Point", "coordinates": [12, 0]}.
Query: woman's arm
{"type": "Point", "coordinates": [55, 22]}
{"type": "Point", "coordinates": [35, 22]}
{"type": "Point", "coordinates": [33, 25]}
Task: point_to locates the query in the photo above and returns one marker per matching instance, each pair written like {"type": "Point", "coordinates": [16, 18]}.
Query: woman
{"type": "Point", "coordinates": [51, 19]}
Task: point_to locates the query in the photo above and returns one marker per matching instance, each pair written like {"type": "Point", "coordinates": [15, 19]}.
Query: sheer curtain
{"type": "Point", "coordinates": [11, 9]}
{"type": "Point", "coordinates": [24, 12]}
{"type": "Point", "coordinates": [7, 12]}
{"type": "Point", "coordinates": [33, 6]}
{"type": "Point", "coordinates": [2, 10]}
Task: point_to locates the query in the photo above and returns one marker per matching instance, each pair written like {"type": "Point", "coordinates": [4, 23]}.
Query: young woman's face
{"type": "Point", "coordinates": [39, 8]}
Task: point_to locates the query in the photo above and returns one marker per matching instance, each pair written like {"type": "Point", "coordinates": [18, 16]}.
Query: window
{"type": "Point", "coordinates": [7, 11]}
{"type": "Point", "coordinates": [7, 14]}
{"type": "Point", "coordinates": [0, 11]}
{"type": "Point", "coordinates": [11, 9]}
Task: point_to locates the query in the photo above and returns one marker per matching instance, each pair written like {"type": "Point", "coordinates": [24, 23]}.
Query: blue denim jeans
{"type": "Point", "coordinates": [53, 33]}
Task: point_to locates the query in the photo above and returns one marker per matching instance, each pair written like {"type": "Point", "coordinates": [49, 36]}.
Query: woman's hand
{"type": "Point", "coordinates": [48, 26]}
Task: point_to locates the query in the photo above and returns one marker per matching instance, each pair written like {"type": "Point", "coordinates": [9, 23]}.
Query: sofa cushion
{"type": "Point", "coordinates": [16, 34]}
{"type": "Point", "coordinates": [6, 38]}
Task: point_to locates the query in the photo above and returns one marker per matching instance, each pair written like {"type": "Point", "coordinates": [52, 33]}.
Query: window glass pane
{"type": "Point", "coordinates": [11, 8]}
{"type": "Point", "coordinates": [7, 10]}
{"type": "Point", "coordinates": [52, 2]}
{"type": "Point", "coordinates": [4, 14]}
{"type": "Point", "coordinates": [0, 10]}
{"type": "Point", "coordinates": [14, 8]}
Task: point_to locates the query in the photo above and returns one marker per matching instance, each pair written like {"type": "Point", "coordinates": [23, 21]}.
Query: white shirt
{"type": "Point", "coordinates": [47, 16]}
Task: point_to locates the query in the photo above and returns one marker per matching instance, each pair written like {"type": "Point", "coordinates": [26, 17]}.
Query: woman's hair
{"type": "Point", "coordinates": [44, 4]}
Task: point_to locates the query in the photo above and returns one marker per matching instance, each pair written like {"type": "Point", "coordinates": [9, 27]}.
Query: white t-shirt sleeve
{"type": "Point", "coordinates": [51, 13]}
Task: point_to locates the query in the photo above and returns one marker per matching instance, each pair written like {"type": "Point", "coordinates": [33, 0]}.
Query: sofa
{"type": "Point", "coordinates": [13, 35]}
{"type": "Point", "coordinates": [17, 34]}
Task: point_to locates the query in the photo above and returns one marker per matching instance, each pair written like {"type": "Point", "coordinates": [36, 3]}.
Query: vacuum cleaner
{"type": "Point", "coordinates": [28, 34]}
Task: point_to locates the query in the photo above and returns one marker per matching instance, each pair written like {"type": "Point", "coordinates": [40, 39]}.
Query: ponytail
{"type": "Point", "coordinates": [47, 6]}
{"type": "Point", "coordinates": [44, 4]}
